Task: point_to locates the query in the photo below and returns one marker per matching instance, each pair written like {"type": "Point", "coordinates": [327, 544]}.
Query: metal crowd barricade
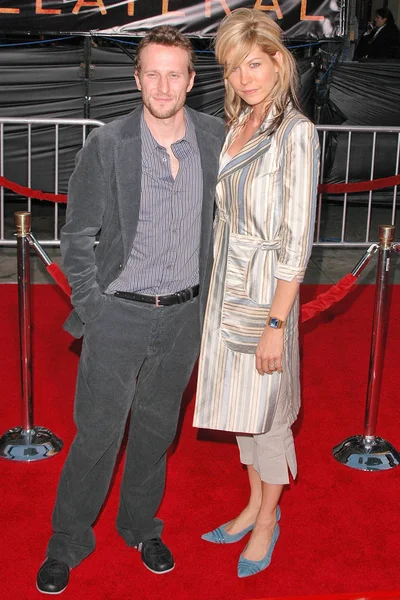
{"type": "Point", "coordinates": [347, 153]}
{"type": "Point", "coordinates": [339, 161]}
{"type": "Point", "coordinates": [12, 131]}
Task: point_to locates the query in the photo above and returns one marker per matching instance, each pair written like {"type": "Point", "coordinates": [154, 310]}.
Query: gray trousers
{"type": "Point", "coordinates": [136, 360]}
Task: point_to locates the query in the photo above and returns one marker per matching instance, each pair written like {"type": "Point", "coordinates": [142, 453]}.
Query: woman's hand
{"type": "Point", "coordinates": [269, 351]}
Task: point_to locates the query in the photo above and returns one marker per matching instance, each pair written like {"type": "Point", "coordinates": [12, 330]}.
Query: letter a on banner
{"type": "Point", "coordinates": [275, 6]}
{"type": "Point", "coordinates": [207, 7]}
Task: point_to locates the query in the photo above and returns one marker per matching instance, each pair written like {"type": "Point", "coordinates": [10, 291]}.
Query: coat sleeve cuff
{"type": "Point", "coordinates": [288, 273]}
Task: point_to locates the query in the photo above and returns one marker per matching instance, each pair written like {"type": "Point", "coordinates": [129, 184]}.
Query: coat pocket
{"type": "Point", "coordinates": [248, 293]}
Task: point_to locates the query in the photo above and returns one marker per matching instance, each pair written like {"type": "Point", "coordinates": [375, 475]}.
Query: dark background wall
{"type": "Point", "coordinates": [60, 82]}
{"type": "Point", "coordinates": [50, 83]}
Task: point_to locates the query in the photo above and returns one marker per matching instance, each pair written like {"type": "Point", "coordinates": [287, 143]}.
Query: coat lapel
{"type": "Point", "coordinates": [128, 170]}
{"type": "Point", "coordinates": [209, 148]}
{"type": "Point", "coordinates": [254, 148]}
{"type": "Point", "coordinates": [259, 144]}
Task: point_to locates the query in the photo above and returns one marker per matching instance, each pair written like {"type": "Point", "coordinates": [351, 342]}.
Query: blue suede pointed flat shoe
{"type": "Point", "coordinates": [247, 567]}
{"type": "Point", "coordinates": [220, 536]}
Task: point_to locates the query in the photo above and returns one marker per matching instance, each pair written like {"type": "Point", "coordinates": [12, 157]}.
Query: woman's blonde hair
{"type": "Point", "coordinates": [238, 34]}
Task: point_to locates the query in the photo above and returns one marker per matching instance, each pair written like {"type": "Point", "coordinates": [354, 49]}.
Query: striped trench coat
{"type": "Point", "coordinates": [263, 232]}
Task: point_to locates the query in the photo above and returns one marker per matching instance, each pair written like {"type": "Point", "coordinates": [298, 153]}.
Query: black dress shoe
{"type": "Point", "coordinates": [156, 556]}
{"type": "Point", "coordinates": [53, 577]}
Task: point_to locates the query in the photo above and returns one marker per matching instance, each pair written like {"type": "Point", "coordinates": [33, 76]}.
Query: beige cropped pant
{"type": "Point", "coordinates": [272, 454]}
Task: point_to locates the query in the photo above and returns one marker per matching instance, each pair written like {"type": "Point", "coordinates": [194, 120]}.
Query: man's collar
{"type": "Point", "coordinates": [149, 143]}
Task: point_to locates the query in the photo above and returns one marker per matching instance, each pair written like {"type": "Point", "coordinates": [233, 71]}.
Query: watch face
{"type": "Point", "coordinates": [274, 322]}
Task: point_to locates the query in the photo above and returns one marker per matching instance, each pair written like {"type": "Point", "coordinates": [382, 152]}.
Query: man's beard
{"type": "Point", "coordinates": [162, 112]}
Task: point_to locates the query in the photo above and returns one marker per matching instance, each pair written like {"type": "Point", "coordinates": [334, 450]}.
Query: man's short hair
{"type": "Point", "coordinates": [166, 35]}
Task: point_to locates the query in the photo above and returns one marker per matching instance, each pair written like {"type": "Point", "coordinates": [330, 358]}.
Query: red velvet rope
{"type": "Point", "coordinates": [29, 193]}
{"type": "Point", "coordinates": [309, 310]}
{"type": "Point", "coordinates": [323, 188]}
{"type": "Point", "coordinates": [54, 270]}
{"type": "Point", "coordinates": [359, 186]}
{"type": "Point", "coordinates": [326, 299]}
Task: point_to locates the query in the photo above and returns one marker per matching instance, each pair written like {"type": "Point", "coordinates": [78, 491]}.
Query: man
{"type": "Point", "coordinates": [147, 182]}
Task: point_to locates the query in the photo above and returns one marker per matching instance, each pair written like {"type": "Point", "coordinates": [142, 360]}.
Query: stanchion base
{"type": "Point", "coordinates": [367, 453]}
{"type": "Point", "coordinates": [27, 446]}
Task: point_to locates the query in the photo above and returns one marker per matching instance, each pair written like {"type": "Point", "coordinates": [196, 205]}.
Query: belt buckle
{"type": "Point", "coordinates": [157, 301]}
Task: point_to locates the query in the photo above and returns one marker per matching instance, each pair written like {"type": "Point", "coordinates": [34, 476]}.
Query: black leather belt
{"type": "Point", "coordinates": [169, 300]}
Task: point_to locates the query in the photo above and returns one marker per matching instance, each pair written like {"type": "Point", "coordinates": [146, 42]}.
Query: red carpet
{"type": "Point", "coordinates": [340, 528]}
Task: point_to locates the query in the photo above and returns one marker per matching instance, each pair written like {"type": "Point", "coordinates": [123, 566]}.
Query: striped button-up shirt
{"type": "Point", "coordinates": [165, 254]}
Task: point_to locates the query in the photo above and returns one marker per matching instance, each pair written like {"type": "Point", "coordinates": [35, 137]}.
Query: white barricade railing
{"type": "Point", "coordinates": [12, 129]}
{"type": "Point", "coordinates": [348, 153]}
{"type": "Point", "coordinates": [363, 143]}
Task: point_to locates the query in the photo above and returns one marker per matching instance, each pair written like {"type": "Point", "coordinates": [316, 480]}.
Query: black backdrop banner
{"type": "Point", "coordinates": [48, 82]}
{"type": "Point", "coordinates": [315, 19]}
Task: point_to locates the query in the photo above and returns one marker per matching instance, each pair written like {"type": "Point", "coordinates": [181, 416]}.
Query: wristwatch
{"type": "Point", "coordinates": [276, 323]}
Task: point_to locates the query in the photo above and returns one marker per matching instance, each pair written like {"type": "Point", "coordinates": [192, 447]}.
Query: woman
{"type": "Point", "coordinates": [263, 237]}
{"type": "Point", "coordinates": [383, 41]}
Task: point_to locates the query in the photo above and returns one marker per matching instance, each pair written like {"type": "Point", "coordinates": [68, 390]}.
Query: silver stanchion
{"type": "Point", "coordinates": [26, 443]}
{"type": "Point", "coordinates": [369, 452]}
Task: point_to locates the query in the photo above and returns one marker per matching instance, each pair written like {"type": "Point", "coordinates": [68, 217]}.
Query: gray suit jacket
{"type": "Point", "coordinates": [104, 194]}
